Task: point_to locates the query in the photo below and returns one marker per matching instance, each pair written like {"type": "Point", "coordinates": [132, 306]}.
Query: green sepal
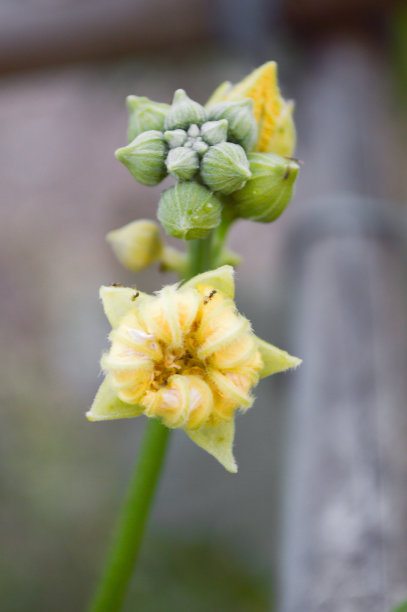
{"type": "Point", "coordinates": [221, 279]}
{"type": "Point", "coordinates": [117, 301]}
{"type": "Point", "coordinates": [218, 442]}
{"type": "Point", "coordinates": [107, 405]}
{"type": "Point", "coordinates": [274, 359]}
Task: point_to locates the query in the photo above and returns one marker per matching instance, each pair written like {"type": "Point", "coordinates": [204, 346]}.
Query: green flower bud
{"type": "Point", "coordinates": [270, 188]}
{"type": "Point", "coordinates": [175, 138]}
{"type": "Point", "coordinates": [225, 168]}
{"type": "Point", "coordinates": [183, 112]}
{"type": "Point", "coordinates": [144, 114]}
{"type": "Point", "coordinates": [194, 131]}
{"type": "Point", "coordinates": [145, 157]}
{"type": "Point", "coordinates": [137, 244]}
{"type": "Point", "coordinates": [242, 126]}
{"type": "Point", "coordinates": [214, 132]}
{"type": "Point", "coordinates": [189, 210]}
{"type": "Point", "coordinates": [182, 163]}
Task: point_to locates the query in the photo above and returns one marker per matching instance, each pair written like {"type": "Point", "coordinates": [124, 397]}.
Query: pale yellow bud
{"type": "Point", "coordinates": [137, 244]}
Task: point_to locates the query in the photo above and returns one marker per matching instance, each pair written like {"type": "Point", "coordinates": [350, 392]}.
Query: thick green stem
{"type": "Point", "coordinates": [127, 538]}
{"type": "Point", "coordinates": [129, 531]}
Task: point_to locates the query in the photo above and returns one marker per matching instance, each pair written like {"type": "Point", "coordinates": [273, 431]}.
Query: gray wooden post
{"type": "Point", "coordinates": [345, 520]}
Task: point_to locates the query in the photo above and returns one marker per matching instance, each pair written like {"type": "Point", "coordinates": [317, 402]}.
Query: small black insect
{"type": "Point", "coordinates": [133, 297]}
{"type": "Point", "coordinates": [210, 296]}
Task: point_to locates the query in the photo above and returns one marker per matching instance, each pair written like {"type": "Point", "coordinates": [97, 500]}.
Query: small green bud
{"type": "Point", "coordinates": [225, 168]}
{"type": "Point", "coordinates": [214, 132]}
{"type": "Point", "coordinates": [175, 138]}
{"type": "Point", "coordinates": [182, 163]}
{"type": "Point", "coordinates": [270, 188]}
{"type": "Point", "coordinates": [137, 244]}
{"type": "Point", "coordinates": [145, 157]}
{"type": "Point", "coordinates": [189, 210]}
{"type": "Point", "coordinates": [200, 146]}
{"type": "Point", "coordinates": [183, 112]}
{"type": "Point", "coordinates": [144, 114]}
{"type": "Point", "coordinates": [194, 131]}
{"type": "Point", "coordinates": [242, 126]}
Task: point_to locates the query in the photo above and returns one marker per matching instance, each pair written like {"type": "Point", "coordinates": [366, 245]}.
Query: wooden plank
{"type": "Point", "coordinates": [345, 533]}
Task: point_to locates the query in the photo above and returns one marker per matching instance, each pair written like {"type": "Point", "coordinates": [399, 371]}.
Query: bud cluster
{"type": "Point", "coordinates": [224, 154]}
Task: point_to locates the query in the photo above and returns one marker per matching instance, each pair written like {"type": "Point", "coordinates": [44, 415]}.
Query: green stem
{"type": "Point", "coordinates": [132, 521]}
{"type": "Point", "coordinates": [127, 538]}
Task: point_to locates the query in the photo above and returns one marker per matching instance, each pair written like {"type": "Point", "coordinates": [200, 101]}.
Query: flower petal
{"type": "Point", "coordinates": [107, 405]}
{"type": "Point", "coordinates": [274, 359]}
{"type": "Point", "coordinates": [117, 301]}
{"type": "Point", "coordinates": [220, 279]}
{"type": "Point", "coordinates": [218, 442]}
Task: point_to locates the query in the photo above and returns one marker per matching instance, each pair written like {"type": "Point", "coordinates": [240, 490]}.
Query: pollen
{"type": "Point", "coordinates": [185, 356]}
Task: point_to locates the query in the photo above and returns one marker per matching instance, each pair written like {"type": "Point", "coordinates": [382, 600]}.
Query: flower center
{"type": "Point", "coordinates": [177, 361]}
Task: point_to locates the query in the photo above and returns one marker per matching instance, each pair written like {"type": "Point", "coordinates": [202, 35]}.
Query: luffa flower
{"type": "Point", "coordinates": [186, 357]}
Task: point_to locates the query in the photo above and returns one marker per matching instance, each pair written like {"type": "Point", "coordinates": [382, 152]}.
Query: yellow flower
{"type": "Point", "coordinates": [274, 115]}
{"type": "Point", "coordinates": [184, 356]}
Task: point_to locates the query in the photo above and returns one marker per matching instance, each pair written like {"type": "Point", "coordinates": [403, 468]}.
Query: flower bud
{"type": "Point", "coordinates": [225, 168]}
{"type": "Point", "coordinates": [137, 244]}
{"type": "Point", "coordinates": [189, 210]}
{"type": "Point", "coordinates": [144, 115]}
{"type": "Point", "coordinates": [273, 114]}
{"type": "Point", "coordinates": [183, 112]}
{"type": "Point", "coordinates": [175, 138]}
{"type": "Point", "coordinates": [242, 127]}
{"type": "Point", "coordinates": [270, 188]}
{"type": "Point", "coordinates": [145, 157]}
{"type": "Point", "coordinates": [182, 163]}
{"type": "Point", "coordinates": [214, 132]}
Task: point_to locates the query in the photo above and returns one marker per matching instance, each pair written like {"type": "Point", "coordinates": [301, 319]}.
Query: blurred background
{"type": "Point", "coordinates": [316, 518]}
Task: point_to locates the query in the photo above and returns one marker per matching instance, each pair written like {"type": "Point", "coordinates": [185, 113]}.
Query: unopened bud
{"type": "Point", "coordinates": [183, 112]}
{"type": "Point", "coordinates": [225, 168]}
{"type": "Point", "coordinates": [182, 163]}
{"type": "Point", "coordinates": [137, 244]}
{"type": "Point", "coordinates": [144, 114]}
{"type": "Point", "coordinates": [145, 157]}
{"type": "Point", "coordinates": [175, 138]}
{"type": "Point", "coordinates": [242, 127]}
{"type": "Point", "coordinates": [270, 188]}
{"type": "Point", "coordinates": [189, 210]}
{"type": "Point", "coordinates": [214, 132]}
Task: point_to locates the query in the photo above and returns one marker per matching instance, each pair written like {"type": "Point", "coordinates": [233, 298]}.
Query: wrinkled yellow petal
{"type": "Point", "coordinates": [218, 442]}
{"type": "Point", "coordinates": [220, 279]}
{"type": "Point", "coordinates": [117, 301]}
{"type": "Point", "coordinates": [274, 359]}
{"type": "Point", "coordinates": [107, 405]}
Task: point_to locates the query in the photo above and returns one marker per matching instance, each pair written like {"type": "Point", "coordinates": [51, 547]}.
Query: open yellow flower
{"type": "Point", "coordinates": [184, 356]}
{"type": "Point", "coordinates": [274, 115]}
